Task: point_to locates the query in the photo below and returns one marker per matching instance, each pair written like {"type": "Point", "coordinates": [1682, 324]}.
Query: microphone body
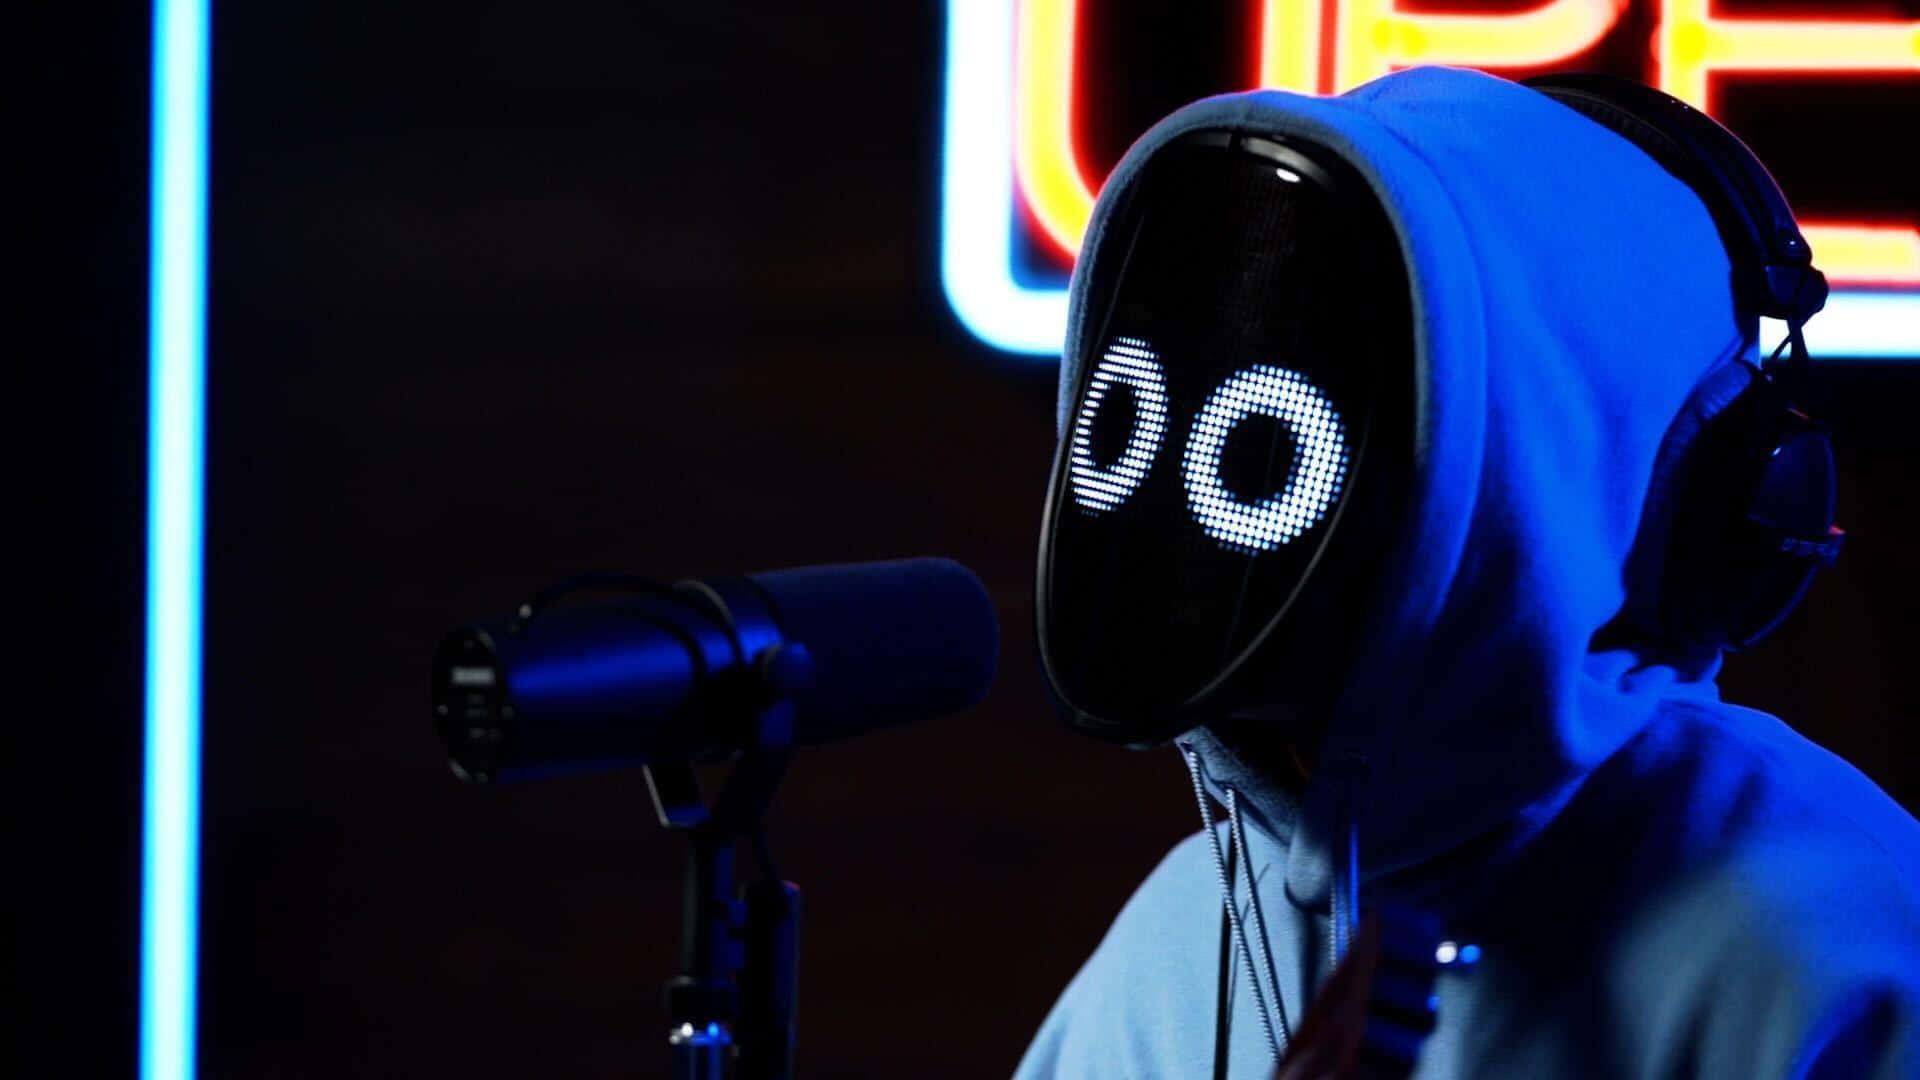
{"type": "Point", "coordinates": [674, 674]}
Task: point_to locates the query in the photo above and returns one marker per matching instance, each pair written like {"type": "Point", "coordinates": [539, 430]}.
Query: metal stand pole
{"type": "Point", "coordinates": [730, 1011]}
{"type": "Point", "coordinates": [702, 1001]}
{"type": "Point", "coordinates": [771, 980]}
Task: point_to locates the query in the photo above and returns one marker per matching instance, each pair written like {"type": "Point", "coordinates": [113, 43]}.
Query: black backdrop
{"type": "Point", "coordinates": [506, 290]}
{"type": "Point", "coordinates": [502, 290]}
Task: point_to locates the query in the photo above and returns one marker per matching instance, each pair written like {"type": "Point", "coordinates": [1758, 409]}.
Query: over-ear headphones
{"type": "Point", "coordinates": [1750, 510]}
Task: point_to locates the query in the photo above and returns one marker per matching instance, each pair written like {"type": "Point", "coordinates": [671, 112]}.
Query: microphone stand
{"type": "Point", "coordinates": [730, 1010]}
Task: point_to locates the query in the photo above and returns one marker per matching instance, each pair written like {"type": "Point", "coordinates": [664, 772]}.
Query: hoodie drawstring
{"type": "Point", "coordinates": [1276, 1041]}
{"type": "Point", "coordinates": [1239, 827]}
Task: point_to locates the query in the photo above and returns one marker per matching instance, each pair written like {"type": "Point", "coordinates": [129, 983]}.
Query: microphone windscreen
{"type": "Point", "coordinates": [891, 642]}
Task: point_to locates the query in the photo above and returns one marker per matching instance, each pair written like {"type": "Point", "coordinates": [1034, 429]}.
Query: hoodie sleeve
{"type": "Point", "coordinates": [1043, 1057]}
{"type": "Point", "coordinates": [1143, 1003]}
{"type": "Point", "coordinates": [1820, 1032]}
{"type": "Point", "coordinates": [1874, 1036]}
{"type": "Point", "coordinates": [1869, 1034]}
{"type": "Point", "coordinates": [1799, 958]}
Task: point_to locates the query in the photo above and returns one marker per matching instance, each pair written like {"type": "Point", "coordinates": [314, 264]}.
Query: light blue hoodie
{"type": "Point", "coordinates": [1663, 884]}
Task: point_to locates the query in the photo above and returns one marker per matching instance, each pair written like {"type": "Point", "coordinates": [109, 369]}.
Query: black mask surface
{"type": "Point", "coordinates": [1235, 455]}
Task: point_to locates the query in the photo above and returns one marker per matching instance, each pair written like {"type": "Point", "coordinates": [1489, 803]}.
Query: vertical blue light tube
{"type": "Point", "coordinates": [170, 838]}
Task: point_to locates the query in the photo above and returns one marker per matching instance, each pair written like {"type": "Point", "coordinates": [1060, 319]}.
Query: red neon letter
{"type": "Point", "coordinates": [1373, 37]}
{"type": "Point", "coordinates": [1044, 159]}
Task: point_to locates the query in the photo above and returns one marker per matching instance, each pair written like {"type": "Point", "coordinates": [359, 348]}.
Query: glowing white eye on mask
{"type": "Point", "coordinates": [1314, 480]}
{"type": "Point", "coordinates": [1131, 363]}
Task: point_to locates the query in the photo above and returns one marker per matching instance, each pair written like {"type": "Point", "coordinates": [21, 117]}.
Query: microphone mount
{"type": "Point", "coordinates": [730, 1010]}
{"type": "Point", "coordinates": [739, 670]}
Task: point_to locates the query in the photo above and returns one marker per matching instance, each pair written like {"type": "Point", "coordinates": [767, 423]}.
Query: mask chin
{"type": "Point", "coordinates": [1279, 742]}
{"type": "Point", "coordinates": [1278, 718]}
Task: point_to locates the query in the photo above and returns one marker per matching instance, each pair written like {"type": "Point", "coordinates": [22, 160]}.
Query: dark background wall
{"type": "Point", "coordinates": [504, 290]}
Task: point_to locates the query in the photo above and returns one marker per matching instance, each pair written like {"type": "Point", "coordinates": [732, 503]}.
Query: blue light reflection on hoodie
{"type": "Point", "coordinates": [1663, 883]}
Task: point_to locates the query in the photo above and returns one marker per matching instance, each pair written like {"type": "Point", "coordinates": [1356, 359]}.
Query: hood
{"type": "Point", "coordinates": [1569, 297]}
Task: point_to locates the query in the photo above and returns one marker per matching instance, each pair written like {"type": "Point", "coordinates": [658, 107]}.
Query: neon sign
{"type": "Point", "coordinates": [170, 841]}
{"type": "Point", "coordinates": [1012, 159]}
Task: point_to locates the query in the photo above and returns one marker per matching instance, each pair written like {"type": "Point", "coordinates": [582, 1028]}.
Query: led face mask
{"type": "Point", "coordinates": [1230, 463]}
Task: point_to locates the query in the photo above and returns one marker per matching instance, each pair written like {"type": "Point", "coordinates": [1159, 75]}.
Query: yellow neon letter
{"type": "Point", "coordinates": [1044, 159]}
{"type": "Point", "coordinates": [1865, 254]}
{"type": "Point", "coordinates": [1691, 44]}
{"type": "Point", "coordinates": [1374, 37]}
{"type": "Point", "coordinates": [1289, 46]}
{"type": "Point", "coordinates": [1046, 162]}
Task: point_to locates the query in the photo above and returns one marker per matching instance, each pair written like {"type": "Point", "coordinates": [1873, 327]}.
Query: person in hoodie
{"type": "Point", "coordinates": [1391, 425]}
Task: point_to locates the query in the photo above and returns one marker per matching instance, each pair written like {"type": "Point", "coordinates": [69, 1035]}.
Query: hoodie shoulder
{"type": "Point", "coordinates": [1770, 907]}
{"type": "Point", "coordinates": [1139, 1006]}
{"type": "Point", "coordinates": [1774, 791]}
{"type": "Point", "coordinates": [1785, 841]}
{"type": "Point", "coordinates": [1796, 954]}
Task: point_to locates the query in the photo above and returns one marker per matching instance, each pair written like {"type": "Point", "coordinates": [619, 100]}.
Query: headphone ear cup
{"type": "Point", "coordinates": [1757, 492]}
{"type": "Point", "coordinates": [1792, 503]}
{"type": "Point", "coordinates": [1749, 507]}
{"type": "Point", "coordinates": [1701, 573]}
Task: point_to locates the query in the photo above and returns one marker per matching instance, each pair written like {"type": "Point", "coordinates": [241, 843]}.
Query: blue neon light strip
{"type": "Point", "coordinates": [170, 840]}
{"type": "Point", "coordinates": [977, 189]}
{"type": "Point", "coordinates": [1857, 324]}
{"type": "Point", "coordinates": [978, 203]}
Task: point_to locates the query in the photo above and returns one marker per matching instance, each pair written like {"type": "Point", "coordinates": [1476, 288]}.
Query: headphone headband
{"type": "Point", "coordinates": [1754, 518]}
{"type": "Point", "coordinates": [1773, 271]}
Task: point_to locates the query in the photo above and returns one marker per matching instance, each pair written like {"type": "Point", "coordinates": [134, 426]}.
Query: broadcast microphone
{"type": "Point", "coordinates": [682, 672]}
